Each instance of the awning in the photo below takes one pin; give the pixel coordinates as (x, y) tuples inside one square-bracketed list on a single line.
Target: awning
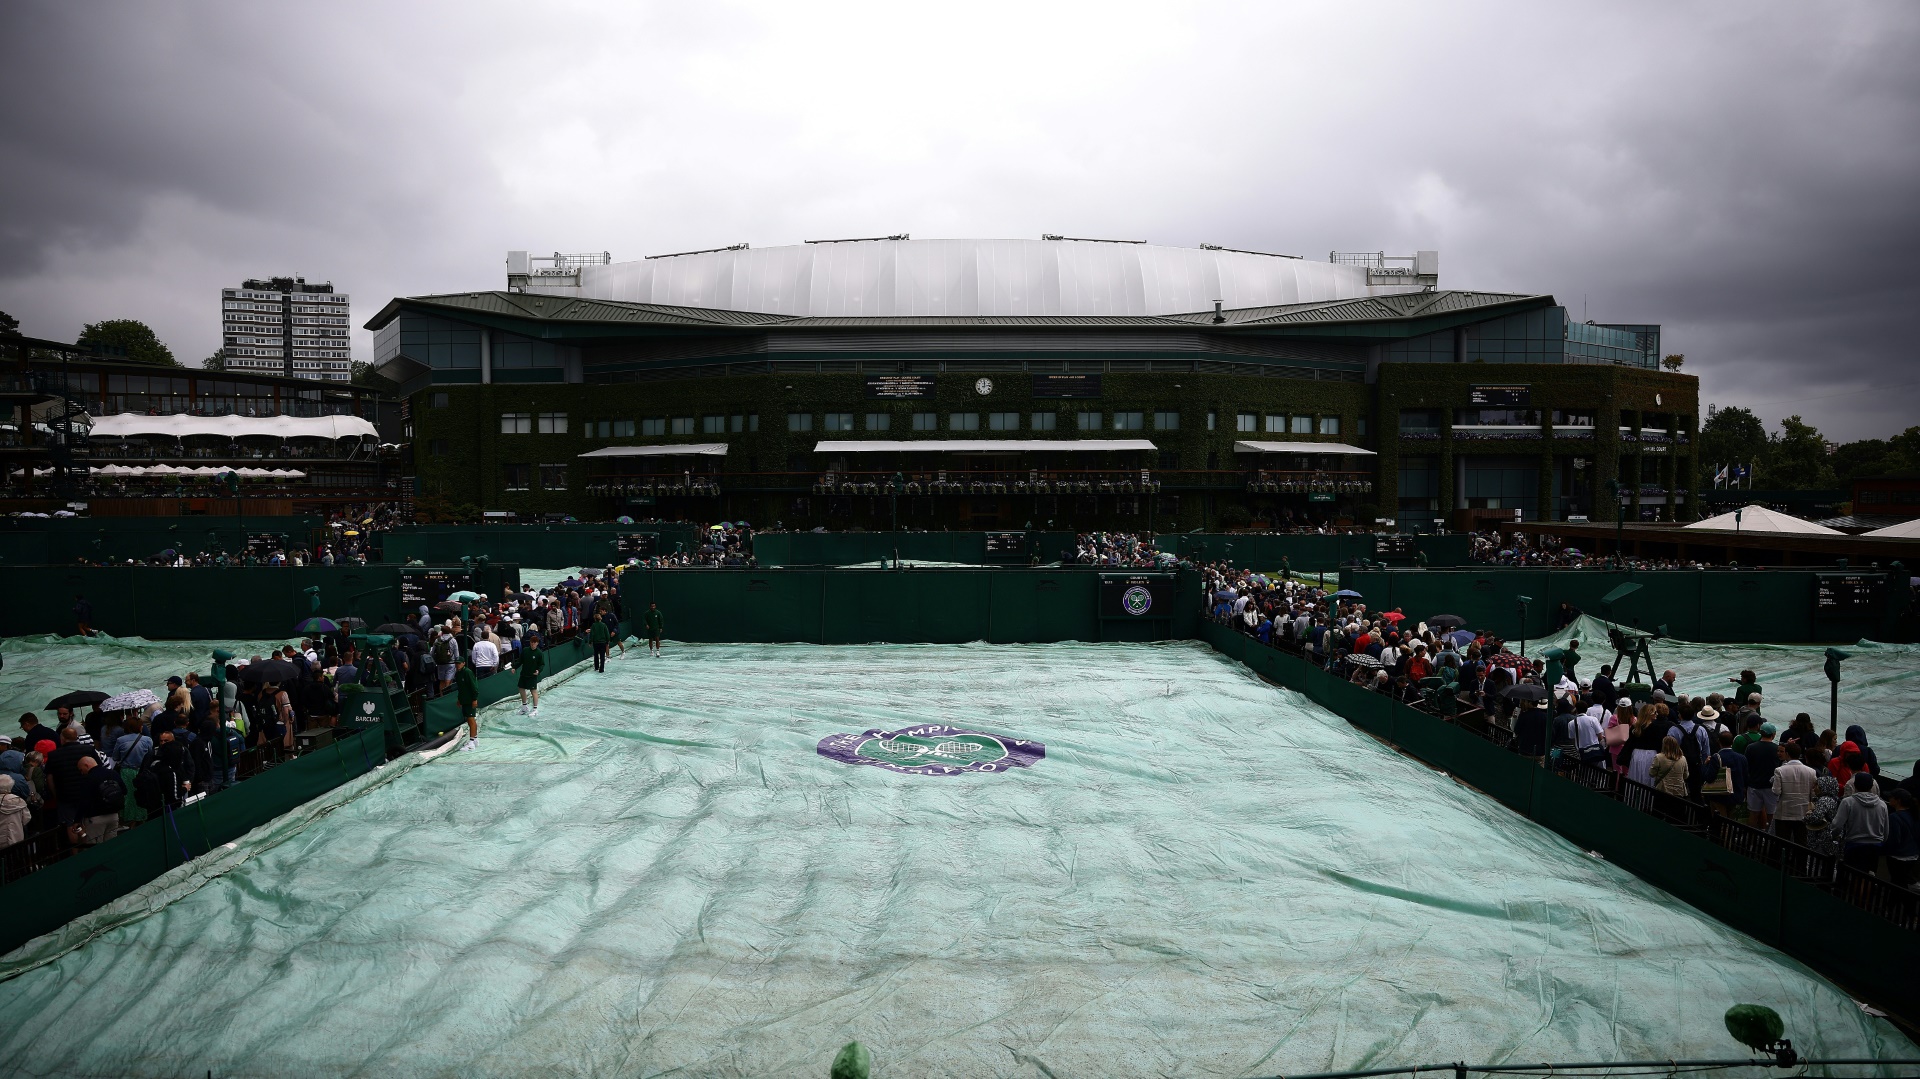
[(697, 449), (201, 470), (989, 445), (130, 425), (1302, 447)]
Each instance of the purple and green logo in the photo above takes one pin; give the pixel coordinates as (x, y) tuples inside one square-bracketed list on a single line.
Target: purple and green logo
[(932, 750)]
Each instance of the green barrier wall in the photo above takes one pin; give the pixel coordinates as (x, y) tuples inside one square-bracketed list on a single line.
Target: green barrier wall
[(1798, 918), (555, 546), (854, 548), (161, 603), (1696, 605), (47, 899), (916, 606), (65, 540), (1305, 552)]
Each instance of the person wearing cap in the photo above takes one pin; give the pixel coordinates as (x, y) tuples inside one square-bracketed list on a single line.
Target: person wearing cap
[(1793, 787), (1763, 757), (1749, 736)]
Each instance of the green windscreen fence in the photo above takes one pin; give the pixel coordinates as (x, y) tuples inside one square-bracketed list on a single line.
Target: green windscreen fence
[(1879, 683), (977, 860)]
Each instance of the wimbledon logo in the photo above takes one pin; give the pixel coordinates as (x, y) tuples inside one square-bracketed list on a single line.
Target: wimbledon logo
[(1136, 600), (932, 750)]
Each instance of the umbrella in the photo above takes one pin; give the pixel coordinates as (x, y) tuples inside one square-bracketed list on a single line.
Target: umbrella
[(169, 554), (1507, 659), (351, 624), (1461, 637), (464, 595), (1393, 616), (139, 698), (269, 670), (1524, 691), (1361, 659), (77, 698), (1347, 592), (515, 597), (316, 624), (398, 629), (350, 532), (1446, 621), (623, 520), (1574, 551), (447, 605)]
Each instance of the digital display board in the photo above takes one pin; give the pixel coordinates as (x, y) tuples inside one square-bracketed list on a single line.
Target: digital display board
[(1500, 396), (1066, 385), (899, 387), (638, 545), (1136, 595), (430, 586), (1006, 546), (1847, 593), (1393, 543)]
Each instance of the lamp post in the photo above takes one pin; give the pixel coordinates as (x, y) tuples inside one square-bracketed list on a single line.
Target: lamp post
[(1619, 523)]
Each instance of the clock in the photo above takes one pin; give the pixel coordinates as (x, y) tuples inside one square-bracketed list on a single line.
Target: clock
[(983, 386)]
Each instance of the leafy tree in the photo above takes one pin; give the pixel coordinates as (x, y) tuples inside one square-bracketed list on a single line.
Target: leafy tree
[(1896, 456), (1730, 436), (9, 324), (217, 361), (129, 336), (1673, 361), (365, 376), (1800, 460)]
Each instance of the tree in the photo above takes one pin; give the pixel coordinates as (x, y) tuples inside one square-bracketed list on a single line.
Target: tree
[(129, 337), (1730, 436), (365, 376), (1673, 361), (1800, 459), (1896, 456), (9, 325), (217, 361)]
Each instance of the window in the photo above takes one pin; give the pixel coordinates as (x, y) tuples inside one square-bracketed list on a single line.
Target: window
[(1362, 428), (1213, 419), (596, 429), (1276, 425), (1003, 421), (437, 447), (1245, 422), (553, 423), (926, 421), (683, 425), (553, 477), (1169, 459), (963, 421), (748, 422), (1420, 421), (653, 428), (839, 421), (516, 423), (799, 421), (1302, 425), (1087, 421), (623, 428), (1329, 425), (1170, 421), (515, 476), (713, 425), (1129, 421), (879, 421), (439, 400), (1045, 421), (1496, 417), (1567, 417)]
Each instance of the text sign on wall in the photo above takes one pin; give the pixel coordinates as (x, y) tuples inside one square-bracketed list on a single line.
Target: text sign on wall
[(1136, 595), (1847, 593), (1066, 385), (899, 387), (1006, 546), (1500, 396), (638, 545), (430, 586)]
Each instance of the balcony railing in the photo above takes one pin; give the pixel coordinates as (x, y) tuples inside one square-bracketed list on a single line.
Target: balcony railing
[(1280, 483), (988, 482)]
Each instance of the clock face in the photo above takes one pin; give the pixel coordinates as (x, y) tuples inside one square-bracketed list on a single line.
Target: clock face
[(1656, 398), (983, 386)]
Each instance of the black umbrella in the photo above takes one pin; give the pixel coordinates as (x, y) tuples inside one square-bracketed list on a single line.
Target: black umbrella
[(398, 628), (1446, 621), (1524, 691), (449, 605), (515, 597), (351, 624), (269, 670), (1361, 659), (78, 698)]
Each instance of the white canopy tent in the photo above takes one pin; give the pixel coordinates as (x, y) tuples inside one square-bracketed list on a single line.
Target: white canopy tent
[(1903, 530), (1762, 519), (1339, 448), (131, 425), (695, 449), (988, 445)]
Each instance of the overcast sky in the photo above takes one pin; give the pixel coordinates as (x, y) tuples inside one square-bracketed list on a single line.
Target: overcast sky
[(1746, 174)]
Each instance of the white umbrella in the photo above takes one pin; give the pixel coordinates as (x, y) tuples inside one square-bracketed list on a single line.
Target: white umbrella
[(139, 698)]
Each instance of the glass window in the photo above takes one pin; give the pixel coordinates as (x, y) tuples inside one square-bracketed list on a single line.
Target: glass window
[(1003, 421), (737, 424), (1302, 425), (839, 421), (963, 421), (1361, 426), (1276, 425), (879, 421), (515, 477), (1044, 421), (623, 428), (653, 428), (553, 477), (1496, 417), (1568, 417), (516, 423), (553, 423), (439, 400), (1329, 425), (1420, 420), (926, 421), (1213, 420), (1129, 421), (1245, 422), (1087, 421), (683, 425), (437, 447), (1170, 421), (799, 421), (713, 425)]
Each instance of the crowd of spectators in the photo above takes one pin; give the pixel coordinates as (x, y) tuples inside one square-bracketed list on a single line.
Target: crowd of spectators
[(1721, 750), (1123, 549), (725, 544), (1521, 549)]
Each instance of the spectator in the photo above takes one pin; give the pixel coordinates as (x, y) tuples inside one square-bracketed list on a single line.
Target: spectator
[(484, 657), (64, 766), (14, 815), (1822, 837), (1734, 764), (1902, 846), (1869, 759), (1793, 788), (1669, 768), (33, 732), (102, 793), (1763, 796), (1861, 822)]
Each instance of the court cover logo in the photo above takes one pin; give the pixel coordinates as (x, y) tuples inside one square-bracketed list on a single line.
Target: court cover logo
[(932, 750), (1137, 600)]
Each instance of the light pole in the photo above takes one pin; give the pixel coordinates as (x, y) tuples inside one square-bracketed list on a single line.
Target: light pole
[(1619, 523)]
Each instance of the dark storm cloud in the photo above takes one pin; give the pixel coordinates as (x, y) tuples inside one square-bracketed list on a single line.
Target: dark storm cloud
[(1742, 174)]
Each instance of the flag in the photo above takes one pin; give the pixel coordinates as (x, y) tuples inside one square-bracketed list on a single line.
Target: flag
[(1720, 477)]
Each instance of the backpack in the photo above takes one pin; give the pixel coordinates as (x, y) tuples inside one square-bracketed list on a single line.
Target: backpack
[(112, 792), (148, 792), (442, 652)]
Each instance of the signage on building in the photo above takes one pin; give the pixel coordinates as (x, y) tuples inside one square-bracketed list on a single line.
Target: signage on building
[(1500, 396), (430, 586), (1393, 543), (1847, 593), (1066, 385), (1006, 546), (638, 545), (899, 387), (1320, 496), (1136, 595)]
